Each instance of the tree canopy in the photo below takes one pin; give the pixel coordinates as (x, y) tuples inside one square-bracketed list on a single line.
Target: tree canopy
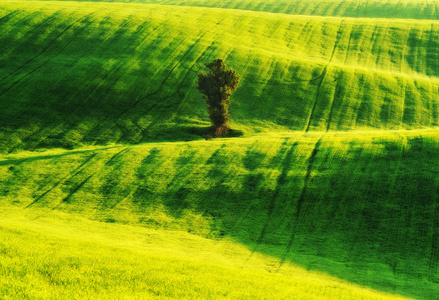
[(217, 85)]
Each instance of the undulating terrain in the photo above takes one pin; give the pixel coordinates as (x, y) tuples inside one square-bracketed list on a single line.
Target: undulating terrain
[(109, 189)]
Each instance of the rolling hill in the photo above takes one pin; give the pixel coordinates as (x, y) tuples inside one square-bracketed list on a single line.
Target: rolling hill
[(362, 207), (332, 185), (136, 71), (406, 9)]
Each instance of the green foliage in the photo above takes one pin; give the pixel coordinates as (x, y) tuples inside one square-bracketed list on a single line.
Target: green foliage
[(217, 86)]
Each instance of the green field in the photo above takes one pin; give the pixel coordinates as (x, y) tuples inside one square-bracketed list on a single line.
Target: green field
[(136, 70), (108, 188)]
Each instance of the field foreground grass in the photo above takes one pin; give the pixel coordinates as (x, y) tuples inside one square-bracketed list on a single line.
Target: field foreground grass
[(358, 206), (63, 256)]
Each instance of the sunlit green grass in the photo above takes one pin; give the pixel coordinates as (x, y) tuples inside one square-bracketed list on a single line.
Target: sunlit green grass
[(60, 256), (405, 9), (108, 189), (358, 206), (77, 73)]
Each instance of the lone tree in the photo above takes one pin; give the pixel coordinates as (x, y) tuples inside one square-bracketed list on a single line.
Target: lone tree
[(217, 85)]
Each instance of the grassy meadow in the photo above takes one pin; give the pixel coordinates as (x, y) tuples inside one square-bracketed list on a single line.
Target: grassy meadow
[(406, 9), (75, 258), (109, 190), (136, 71)]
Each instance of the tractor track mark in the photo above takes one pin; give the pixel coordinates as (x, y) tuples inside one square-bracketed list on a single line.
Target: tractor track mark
[(434, 256), (64, 179), (77, 188), (151, 94), (280, 181), (37, 29), (325, 68), (44, 50), (300, 203), (8, 16), (334, 98)]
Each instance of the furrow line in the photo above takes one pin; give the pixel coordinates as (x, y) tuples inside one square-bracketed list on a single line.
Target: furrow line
[(76, 189), (308, 125), (157, 91), (298, 215), (337, 40), (331, 111), (77, 33), (36, 28), (194, 64), (280, 181), (435, 9), (162, 85), (95, 50), (64, 179), (398, 223), (434, 256), (373, 43), (42, 51), (118, 154), (9, 16), (171, 71), (403, 97)]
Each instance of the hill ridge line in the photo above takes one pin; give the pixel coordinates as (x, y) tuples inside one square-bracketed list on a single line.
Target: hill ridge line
[(249, 11), (233, 9), (33, 155)]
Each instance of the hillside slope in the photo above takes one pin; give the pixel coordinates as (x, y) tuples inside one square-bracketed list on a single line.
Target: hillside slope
[(361, 207), (336, 171), (73, 73), (398, 9), (63, 256)]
